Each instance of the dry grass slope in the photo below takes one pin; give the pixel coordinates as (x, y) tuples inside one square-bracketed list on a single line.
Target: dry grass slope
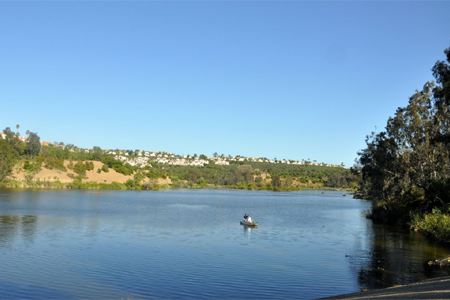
[(55, 175)]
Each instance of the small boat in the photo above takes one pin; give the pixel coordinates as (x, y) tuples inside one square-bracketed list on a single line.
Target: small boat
[(247, 223)]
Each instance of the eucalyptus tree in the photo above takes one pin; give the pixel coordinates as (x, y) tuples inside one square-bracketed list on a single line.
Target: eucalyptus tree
[(419, 156), (34, 144), (408, 164)]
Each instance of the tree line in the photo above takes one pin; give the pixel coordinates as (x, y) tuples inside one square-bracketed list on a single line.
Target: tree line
[(405, 169)]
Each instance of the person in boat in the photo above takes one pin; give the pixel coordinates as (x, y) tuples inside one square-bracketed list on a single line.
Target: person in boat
[(245, 217)]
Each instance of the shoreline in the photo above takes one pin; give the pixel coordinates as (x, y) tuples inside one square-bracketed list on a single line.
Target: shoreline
[(436, 288), (120, 187)]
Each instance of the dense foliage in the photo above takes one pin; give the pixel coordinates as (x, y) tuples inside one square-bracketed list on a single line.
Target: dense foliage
[(253, 175), (405, 169)]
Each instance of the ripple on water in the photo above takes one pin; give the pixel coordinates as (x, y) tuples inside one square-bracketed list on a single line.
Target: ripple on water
[(190, 206), (108, 245)]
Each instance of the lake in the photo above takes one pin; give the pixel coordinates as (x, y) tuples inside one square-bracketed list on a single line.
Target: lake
[(188, 244)]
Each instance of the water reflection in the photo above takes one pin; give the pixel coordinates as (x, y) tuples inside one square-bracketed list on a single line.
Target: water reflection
[(28, 226), (13, 226), (116, 243), (248, 231), (396, 257)]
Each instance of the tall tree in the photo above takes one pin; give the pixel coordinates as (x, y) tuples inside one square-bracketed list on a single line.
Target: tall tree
[(13, 140), (8, 157), (408, 164), (98, 153), (34, 144), (276, 181), (441, 93)]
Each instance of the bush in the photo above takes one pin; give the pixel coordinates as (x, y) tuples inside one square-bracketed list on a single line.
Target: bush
[(389, 212), (52, 162), (27, 165), (80, 168), (112, 186), (89, 165), (34, 166), (122, 170), (436, 224), (131, 184), (76, 184), (151, 185)]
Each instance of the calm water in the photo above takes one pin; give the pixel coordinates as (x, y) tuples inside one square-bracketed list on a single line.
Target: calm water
[(189, 244)]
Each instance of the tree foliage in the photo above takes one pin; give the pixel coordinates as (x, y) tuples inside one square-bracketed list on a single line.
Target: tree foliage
[(33, 144), (8, 157), (406, 166)]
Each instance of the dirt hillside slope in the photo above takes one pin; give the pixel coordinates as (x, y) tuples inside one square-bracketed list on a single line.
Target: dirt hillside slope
[(53, 175)]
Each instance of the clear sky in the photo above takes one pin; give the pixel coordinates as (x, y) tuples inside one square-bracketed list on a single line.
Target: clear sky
[(276, 79)]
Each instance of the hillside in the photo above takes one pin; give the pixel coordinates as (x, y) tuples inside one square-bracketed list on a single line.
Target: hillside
[(241, 176), (29, 163), (64, 177), (23, 178)]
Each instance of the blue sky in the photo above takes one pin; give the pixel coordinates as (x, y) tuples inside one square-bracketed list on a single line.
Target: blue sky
[(284, 79)]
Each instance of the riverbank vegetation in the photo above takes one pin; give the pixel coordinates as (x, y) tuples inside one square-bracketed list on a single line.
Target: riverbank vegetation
[(405, 169), (23, 163)]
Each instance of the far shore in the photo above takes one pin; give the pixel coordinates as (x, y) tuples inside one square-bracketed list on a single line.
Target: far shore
[(96, 179), (164, 187)]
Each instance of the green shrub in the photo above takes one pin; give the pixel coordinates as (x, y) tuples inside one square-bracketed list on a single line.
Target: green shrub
[(89, 165), (80, 168), (436, 224), (122, 170)]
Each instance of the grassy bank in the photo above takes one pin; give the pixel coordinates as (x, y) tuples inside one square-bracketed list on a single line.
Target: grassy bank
[(131, 185), (151, 185)]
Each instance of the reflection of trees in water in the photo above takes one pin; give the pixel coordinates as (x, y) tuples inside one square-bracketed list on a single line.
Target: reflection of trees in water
[(396, 257), (13, 226), (8, 228), (29, 224)]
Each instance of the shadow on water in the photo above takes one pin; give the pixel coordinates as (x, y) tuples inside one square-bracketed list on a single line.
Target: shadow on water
[(396, 256)]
